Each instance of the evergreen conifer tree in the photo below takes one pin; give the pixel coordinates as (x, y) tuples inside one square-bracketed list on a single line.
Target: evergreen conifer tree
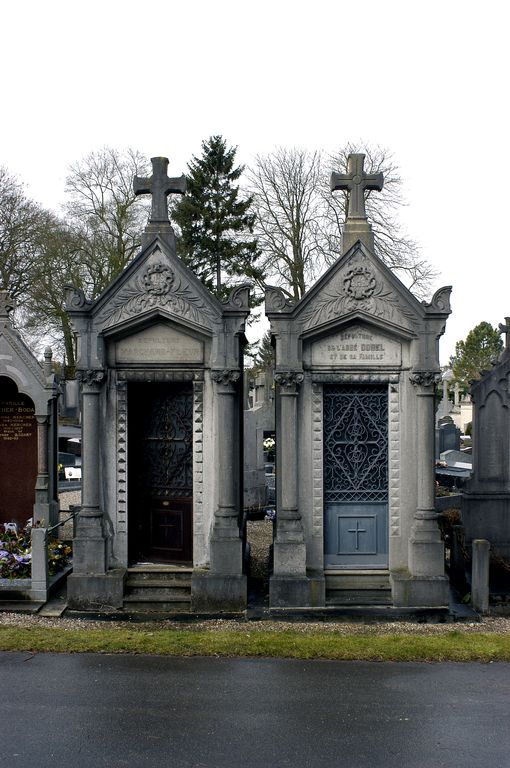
[(215, 223)]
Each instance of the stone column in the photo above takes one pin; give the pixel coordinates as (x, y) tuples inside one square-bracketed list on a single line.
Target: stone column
[(289, 545), (429, 585), (41, 506), (223, 586), (89, 554), (290, 585), (92, 584), (226, 546)]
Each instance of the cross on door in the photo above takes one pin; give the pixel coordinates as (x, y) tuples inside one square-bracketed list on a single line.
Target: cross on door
[(356, 531), (355, 181), (159, 185)]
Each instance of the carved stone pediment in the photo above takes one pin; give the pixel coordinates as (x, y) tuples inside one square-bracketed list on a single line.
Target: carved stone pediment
[(158, 284), (358, 286)]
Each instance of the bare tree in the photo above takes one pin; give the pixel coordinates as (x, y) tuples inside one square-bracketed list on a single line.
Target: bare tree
[(20, 223), (45, 319), (105, 214), (286, 199)]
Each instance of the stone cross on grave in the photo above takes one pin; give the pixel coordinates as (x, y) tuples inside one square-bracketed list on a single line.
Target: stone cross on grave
[(505, 328), (159, 186), (355, 181)]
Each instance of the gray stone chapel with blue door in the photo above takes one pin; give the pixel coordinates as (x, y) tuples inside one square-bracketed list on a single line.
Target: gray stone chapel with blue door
[(356, 369), (160, 364)]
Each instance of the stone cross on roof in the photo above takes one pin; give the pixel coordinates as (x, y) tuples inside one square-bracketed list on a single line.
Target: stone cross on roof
[(505, 328), (159, 186), (6, 304), (356, 181)]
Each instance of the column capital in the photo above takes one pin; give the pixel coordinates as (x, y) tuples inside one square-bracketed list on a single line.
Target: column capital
[(226, 377), (425, 379), (93, 378), (289, 379)]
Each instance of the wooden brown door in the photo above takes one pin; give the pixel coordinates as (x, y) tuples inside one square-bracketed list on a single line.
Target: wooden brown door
[(160, 472)]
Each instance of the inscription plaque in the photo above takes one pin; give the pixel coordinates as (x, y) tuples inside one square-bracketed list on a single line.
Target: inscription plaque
[(18, 454), (357, 346), (159, 344)]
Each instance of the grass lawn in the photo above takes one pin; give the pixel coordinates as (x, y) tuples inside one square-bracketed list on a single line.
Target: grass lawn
[(448, 646)]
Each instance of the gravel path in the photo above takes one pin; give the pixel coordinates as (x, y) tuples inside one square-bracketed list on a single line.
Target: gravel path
[(489, 625)]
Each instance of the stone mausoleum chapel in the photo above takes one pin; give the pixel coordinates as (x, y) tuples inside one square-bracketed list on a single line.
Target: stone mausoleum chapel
[(160, 362), (356, 367)]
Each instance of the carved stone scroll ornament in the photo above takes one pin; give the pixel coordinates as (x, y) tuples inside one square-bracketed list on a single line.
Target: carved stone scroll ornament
[(425, 378), (440, 300), (225, 376), (289, 378), (239, 297), (276, 301), (75, 298)]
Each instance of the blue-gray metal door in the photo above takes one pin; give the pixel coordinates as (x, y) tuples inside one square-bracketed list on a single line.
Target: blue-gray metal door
[(356, 476)]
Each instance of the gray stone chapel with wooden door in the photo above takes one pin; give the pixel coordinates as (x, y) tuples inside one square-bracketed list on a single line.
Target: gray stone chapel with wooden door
[(356, 369), (160, 363)]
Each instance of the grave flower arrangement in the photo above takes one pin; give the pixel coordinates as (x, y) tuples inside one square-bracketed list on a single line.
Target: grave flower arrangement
[(269, 446), (16, 555)]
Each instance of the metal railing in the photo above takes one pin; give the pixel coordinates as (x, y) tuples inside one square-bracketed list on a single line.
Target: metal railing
[(40, 570)]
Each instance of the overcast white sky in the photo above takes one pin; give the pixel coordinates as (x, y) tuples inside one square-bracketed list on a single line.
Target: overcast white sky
[(427, 80)]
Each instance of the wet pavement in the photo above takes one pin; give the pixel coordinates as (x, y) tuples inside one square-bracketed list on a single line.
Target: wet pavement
[(103, 710)]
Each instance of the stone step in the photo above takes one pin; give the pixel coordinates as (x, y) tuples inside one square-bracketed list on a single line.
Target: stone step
[(156, 588), (358, 587), (358, 580), (155, 604), (159, 588), (161, 575), (358, 597)]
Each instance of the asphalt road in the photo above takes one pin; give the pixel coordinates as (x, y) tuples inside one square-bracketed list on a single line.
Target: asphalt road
[(89, 710)]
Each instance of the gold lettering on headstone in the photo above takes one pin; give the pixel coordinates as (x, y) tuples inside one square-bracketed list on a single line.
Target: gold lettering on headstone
[(16, 421)]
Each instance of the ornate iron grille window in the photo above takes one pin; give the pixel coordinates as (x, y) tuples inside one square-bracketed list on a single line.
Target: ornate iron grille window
[(355, 443), (162, 421)]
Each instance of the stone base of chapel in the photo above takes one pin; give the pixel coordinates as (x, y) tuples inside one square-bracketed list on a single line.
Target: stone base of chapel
[(297, 592), (102, 591), (419, 591), (218, 593)]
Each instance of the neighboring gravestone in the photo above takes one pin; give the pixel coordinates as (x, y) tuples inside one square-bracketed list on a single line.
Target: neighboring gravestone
[(356, 370), (28, 424), (160, 365), (447, 436), (486, 499)]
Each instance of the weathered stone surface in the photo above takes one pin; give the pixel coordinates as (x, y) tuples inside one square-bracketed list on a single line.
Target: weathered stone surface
[(486, 499), (359, 331), (157, 343)]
